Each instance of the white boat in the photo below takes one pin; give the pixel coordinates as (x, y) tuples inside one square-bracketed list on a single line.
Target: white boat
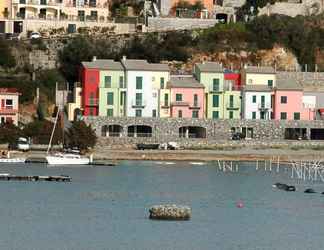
[(67, 159), (64, 158), (12, 160)]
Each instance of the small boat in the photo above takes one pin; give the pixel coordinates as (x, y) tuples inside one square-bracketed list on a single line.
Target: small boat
[(197, 163), (67, 159), (143, 146), (5, 158)]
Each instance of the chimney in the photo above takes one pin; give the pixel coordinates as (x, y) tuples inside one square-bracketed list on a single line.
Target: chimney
[(124, 58), (94, 58)]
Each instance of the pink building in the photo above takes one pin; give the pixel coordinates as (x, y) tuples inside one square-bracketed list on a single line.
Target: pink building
[(187, 97), (288, 102), (9, 105)]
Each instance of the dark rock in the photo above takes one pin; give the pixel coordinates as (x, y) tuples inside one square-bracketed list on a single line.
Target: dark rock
[(309, 191)]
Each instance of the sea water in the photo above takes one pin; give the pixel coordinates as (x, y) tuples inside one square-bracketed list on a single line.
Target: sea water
[(107, 208)]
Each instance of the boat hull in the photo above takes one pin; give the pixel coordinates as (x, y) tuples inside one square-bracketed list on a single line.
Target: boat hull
[(13, 160), (54, 160)]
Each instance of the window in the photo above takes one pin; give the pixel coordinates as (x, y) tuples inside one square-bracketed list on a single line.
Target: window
[(122, 96), (283, 99), (162, 82), (270, 83), (154, 95), (195, 100), (138, 113), (92, 111), (250, 81), (215, 101), (180, 113), (216, 84), (9, 102), (110, 112), (166, 100), (138, 99), (231, 101), (253, 115), (283, 115), (231, 115), (154, 113), (110, 98), (262, 101), (153, 79), (139, 82), (179, 97), (195, 114), (215, 114), (296, 116), (107, 81), (254, 99), (121, 82), (262, 115)]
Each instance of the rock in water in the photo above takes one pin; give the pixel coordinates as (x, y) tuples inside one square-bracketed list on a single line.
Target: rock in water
[(310, 191), (170, 212)]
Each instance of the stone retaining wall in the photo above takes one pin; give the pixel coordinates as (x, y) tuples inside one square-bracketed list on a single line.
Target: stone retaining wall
[(167, 129)]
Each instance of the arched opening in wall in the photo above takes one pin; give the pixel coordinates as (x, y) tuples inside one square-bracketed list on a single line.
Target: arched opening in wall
[(139, 131), (112, 130), (317, 134), (77, 114), (192, 132), (295, 133), (221, 17)]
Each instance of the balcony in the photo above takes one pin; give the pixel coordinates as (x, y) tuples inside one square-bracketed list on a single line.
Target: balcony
[(264, 106), (232, 106), (178, 103), (165, 105), (138, 104), (211, 89), (92, 102), (9, 110), (37, 2), (195, 105)]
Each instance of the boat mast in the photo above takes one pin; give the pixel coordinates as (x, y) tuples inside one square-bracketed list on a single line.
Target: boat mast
[(50, 142)]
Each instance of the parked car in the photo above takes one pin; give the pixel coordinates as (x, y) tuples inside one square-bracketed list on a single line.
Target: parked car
[(35, 35), (20, 144), (237, 136)]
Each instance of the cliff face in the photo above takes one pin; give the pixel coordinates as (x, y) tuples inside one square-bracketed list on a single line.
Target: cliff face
[(277, 57)]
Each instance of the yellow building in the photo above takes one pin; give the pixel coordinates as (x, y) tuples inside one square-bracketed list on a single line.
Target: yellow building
[(253, 75), (5, 7), (74, 108)]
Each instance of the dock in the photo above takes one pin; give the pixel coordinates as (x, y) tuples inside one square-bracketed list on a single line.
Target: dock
[(56, 178)]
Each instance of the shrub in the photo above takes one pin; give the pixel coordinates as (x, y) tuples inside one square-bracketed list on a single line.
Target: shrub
[(9, 133)]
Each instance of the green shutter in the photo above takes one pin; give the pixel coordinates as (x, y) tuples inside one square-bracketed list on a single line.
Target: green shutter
[(215, 101), (216, 84), (139, 82), (179, 97), (110, 98)]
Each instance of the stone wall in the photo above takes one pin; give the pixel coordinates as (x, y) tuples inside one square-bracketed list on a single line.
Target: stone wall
[(167, 129), (164, 24)]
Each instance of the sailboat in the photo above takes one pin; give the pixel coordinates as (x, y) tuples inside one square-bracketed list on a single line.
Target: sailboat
[(64, 158)]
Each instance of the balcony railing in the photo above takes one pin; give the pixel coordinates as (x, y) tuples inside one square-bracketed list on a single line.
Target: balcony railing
[(138, 103), (93, 102), (195, 105), (232, 106), (179, 103), (37, 2), (264, 106), (8, 110)]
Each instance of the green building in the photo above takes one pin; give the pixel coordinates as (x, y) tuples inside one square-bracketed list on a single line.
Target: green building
[(222, 99)]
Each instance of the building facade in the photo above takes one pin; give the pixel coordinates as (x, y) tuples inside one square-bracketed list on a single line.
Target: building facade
[(9, 105), (187, 97)]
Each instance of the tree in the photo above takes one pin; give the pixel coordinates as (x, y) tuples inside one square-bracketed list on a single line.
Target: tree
[(7, 60), (81, 136), (9, 132)]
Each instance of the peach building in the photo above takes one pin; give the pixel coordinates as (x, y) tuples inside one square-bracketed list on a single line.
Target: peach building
[(74, 10), (9, 105), (289, 102), (187, 97), (5, 6)]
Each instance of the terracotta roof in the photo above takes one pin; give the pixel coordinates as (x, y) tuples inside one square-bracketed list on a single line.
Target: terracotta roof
[(257, 88), (210, 67), (132, 64), (184, 82), (9, 91), (260, 70), (103, 64), (288, 84)]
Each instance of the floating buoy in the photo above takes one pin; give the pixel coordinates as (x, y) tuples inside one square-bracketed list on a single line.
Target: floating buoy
[(239, 204)]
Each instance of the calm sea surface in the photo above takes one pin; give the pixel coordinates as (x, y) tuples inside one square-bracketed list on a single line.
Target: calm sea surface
[(107, 208)]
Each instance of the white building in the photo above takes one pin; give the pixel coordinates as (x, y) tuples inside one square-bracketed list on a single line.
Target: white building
[(257, 102), (142, 88)]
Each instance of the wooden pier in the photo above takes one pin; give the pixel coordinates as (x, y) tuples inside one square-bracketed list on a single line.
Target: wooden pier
[(56, 178)]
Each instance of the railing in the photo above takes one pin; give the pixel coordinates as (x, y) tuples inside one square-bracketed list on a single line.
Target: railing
[(138, 103), (195, 105), (264, 106), (37, 2), (178, 103), (232, 106), (8, 110)]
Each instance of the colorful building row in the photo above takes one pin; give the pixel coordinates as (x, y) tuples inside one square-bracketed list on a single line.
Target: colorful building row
[(136, 88)]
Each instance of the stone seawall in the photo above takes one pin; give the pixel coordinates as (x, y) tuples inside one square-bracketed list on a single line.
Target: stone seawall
[(186, 131)]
